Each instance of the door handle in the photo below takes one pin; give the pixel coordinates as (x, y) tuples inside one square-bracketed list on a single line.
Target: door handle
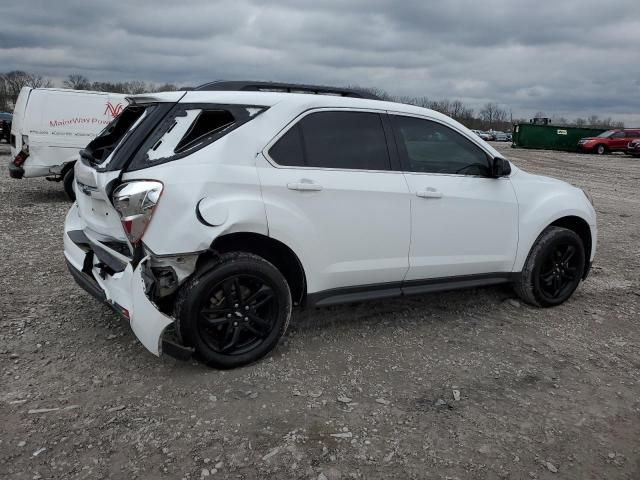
[(429, 193), (304, 186)]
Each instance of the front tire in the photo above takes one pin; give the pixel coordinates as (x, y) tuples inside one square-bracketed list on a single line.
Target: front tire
[(601, 149), (234, 311), (553, 268), (67, 182)]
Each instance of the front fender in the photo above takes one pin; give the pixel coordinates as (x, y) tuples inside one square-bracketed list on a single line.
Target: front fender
[(536, 214)]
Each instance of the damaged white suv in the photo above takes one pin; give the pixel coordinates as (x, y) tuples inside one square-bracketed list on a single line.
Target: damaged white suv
[(204, 216)]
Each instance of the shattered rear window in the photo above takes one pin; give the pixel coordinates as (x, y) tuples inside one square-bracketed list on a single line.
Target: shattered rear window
[(190, 127)]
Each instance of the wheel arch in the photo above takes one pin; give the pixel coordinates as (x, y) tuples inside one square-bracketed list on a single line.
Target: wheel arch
[(272, 250), (67, 166), (581, 227), (570, 221)]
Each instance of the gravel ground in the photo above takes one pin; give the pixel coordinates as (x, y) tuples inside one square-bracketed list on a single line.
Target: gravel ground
[(362, 391)]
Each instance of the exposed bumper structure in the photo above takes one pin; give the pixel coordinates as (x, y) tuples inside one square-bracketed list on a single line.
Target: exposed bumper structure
[(106, 275)]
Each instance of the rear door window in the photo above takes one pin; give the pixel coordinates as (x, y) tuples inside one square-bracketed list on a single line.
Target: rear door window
[(335, 139)]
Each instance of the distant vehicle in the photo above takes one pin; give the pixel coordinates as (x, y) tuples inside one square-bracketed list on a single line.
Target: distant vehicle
[(51, 125), (490, 135), (509, 136), (203, 217), (500, 137), (5, 126), (633, 148), (482, 135), (609, 141)]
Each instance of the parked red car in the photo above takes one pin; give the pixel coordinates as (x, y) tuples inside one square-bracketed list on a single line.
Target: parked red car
[(609, 141)]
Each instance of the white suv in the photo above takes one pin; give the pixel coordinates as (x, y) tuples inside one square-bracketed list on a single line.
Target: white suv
[(204, 216)]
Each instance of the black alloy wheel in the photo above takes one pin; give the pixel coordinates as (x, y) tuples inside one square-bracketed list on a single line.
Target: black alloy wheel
[(239, 315), (553, 269), (233, 310), (560, 271)]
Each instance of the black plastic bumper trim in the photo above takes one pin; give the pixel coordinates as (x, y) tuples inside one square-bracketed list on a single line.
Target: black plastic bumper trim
[(86, 282), (80, 239)]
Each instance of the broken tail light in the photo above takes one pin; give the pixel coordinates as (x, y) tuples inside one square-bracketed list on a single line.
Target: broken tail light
[(135, 203), (21, 157)]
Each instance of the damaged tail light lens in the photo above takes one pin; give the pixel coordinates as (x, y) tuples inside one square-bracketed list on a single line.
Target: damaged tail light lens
[(21, 157), (135, 202)]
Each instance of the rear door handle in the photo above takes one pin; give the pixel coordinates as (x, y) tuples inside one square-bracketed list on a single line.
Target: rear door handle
[(429, 193), (304, 186)]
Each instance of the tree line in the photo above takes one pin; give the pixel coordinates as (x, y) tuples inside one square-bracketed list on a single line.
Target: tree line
[(490, 117), (12, 82)]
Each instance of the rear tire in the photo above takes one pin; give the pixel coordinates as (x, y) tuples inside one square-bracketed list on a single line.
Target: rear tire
[(601, 149), (234, 311), (553, 268), (67, 182)]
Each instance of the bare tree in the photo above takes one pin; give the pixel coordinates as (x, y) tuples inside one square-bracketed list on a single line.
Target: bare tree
[(491, 114), (166, 87), (15, 80), (77, 82), (136, 86), (378, 92)]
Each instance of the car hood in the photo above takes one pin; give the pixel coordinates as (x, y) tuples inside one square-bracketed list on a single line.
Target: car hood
[(521, 176)]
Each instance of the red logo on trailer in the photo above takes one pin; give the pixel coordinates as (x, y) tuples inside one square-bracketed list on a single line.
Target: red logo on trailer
[(114, 110)]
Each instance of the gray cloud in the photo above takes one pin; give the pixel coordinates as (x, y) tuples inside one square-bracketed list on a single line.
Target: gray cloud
[(575, 57)]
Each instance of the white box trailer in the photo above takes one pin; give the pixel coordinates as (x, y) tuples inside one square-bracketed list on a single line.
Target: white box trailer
[(51, 125)]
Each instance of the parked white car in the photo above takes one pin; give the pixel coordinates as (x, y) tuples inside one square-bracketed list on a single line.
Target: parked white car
[(50, 125), (204, 216)]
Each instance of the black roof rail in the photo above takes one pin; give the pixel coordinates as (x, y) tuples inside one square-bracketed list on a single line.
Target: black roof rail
[(247, 86)]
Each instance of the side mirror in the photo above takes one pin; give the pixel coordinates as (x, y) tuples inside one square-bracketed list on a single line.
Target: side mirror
[(500, 167)]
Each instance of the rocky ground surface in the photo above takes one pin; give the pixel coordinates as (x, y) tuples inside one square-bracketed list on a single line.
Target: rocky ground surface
[(462, 385)]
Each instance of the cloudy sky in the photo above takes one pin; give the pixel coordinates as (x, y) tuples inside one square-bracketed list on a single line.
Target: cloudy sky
[(566, 58)]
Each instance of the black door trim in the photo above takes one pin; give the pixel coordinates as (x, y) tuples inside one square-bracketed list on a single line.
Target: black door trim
[(361, 293)]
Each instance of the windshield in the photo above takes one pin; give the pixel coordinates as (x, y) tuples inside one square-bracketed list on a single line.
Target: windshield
[(606, 134)]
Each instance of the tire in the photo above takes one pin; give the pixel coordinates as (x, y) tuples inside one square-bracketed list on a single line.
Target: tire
[(600, 149), (537, 282), (67, 182), (234, 311)]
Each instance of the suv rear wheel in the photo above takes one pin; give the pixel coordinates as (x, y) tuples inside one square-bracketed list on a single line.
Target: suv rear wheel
[(553, 269), (234, 311)]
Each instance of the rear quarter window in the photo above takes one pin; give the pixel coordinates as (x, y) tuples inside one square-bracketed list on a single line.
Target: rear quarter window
[(190, 127)]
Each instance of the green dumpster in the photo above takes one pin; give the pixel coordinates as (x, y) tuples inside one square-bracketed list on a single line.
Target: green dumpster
[(550, 137)]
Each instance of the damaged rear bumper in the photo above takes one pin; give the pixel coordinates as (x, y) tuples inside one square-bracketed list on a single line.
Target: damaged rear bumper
[(110, 278)]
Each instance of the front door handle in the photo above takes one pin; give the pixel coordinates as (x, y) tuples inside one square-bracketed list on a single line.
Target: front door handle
[(303, 186), (429, 192)]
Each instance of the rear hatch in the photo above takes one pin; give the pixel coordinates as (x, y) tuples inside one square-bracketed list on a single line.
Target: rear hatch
[(152, 130), (104, 159)]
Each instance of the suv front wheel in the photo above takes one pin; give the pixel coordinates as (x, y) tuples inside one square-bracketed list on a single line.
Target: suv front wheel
[(553, 269), (234, 311)]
